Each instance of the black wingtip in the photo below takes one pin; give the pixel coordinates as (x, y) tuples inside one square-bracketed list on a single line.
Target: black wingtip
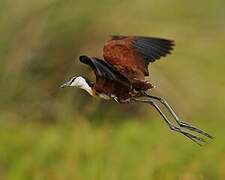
[(153, 48), (83, 58)]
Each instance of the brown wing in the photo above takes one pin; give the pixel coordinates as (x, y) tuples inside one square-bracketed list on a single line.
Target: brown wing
[(131, 55), (108, 80), (104, 70)]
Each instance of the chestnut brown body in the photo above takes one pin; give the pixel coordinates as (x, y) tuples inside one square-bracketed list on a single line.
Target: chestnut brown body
[(121, 74)]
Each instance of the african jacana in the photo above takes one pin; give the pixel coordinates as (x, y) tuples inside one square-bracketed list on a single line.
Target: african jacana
[(121, 76)]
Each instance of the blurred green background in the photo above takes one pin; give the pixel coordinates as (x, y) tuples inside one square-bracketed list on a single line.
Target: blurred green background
[(49, 133)]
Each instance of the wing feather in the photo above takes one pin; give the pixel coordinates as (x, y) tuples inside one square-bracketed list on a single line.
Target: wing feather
[(152, 48), (131, 55), (104, 70)]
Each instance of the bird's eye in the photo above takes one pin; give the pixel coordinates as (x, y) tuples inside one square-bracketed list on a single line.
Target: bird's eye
[(72, 80)]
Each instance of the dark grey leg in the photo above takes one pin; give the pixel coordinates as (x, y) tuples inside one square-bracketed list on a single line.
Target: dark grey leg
[(179, 122), (194, 138)]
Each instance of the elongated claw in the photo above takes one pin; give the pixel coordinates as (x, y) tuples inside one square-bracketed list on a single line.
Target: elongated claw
[(178, 121), (195, 129), (194, 138)]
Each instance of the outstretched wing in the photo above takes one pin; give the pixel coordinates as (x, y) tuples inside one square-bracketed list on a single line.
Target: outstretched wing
[(131, 55), (104, 71)]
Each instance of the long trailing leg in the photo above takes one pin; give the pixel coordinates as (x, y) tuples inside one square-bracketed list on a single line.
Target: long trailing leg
[(179, 122), (173, 127)]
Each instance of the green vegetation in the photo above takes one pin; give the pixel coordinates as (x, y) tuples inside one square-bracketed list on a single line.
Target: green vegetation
[(131, 150), (47, 133)]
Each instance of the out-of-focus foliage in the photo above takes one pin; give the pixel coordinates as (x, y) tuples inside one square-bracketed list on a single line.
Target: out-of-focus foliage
[(131, 151), (40, 42)]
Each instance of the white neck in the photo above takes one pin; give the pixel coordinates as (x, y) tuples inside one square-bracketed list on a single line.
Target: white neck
[(87, 88), (80, 82)]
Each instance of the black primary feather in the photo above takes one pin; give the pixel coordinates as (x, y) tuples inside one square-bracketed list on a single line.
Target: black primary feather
[(104, 70), (152, 48)]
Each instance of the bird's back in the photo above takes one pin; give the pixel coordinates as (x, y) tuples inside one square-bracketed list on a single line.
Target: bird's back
[(125, 65), (131, 55)]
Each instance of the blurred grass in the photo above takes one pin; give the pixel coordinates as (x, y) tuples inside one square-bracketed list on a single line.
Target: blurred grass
[(131, 150), (46, 133)]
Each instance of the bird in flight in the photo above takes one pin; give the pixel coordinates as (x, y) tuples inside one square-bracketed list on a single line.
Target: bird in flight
[(120, 76)]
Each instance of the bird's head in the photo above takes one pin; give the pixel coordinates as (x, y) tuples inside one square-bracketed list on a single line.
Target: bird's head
[(80, 82)]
